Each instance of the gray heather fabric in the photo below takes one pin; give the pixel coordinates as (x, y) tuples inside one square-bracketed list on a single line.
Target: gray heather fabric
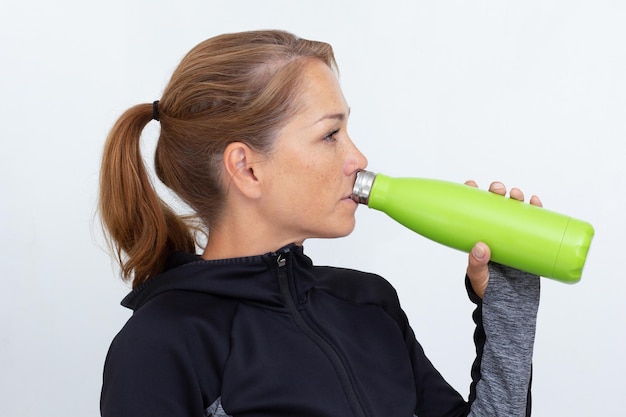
[(509, 313), (216, 410)]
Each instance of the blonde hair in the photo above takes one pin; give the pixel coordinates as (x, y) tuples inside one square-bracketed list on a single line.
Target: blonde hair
[(233, 87)]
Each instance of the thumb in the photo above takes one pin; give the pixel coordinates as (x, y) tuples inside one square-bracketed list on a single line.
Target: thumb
[(478, 269)]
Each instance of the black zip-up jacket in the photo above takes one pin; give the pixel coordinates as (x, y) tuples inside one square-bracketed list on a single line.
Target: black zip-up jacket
[(272, 335)]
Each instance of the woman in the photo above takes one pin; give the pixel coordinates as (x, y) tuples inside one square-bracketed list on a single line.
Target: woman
[(253, 138)]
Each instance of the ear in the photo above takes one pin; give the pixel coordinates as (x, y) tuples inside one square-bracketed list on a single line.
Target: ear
[(239, 164)]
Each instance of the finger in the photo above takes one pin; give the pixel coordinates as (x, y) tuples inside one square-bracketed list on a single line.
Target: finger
[(498, 188), (471, 183), (536, 201), (516, 194), (478, 268)]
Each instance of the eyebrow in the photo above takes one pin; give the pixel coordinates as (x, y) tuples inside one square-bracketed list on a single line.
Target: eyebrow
[(337, 116)]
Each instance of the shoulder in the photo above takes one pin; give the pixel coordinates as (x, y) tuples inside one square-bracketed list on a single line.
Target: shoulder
[(175, 323), (180, 312), (357, 286), (174, 346), (362, 288)]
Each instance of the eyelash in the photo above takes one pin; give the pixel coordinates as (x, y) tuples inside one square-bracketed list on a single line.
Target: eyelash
[(331, 136)]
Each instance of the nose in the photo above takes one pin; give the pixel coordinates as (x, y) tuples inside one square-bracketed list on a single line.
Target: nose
[(355, 160)]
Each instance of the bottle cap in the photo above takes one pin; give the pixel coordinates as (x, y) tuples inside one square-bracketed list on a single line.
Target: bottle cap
[(363, 186)]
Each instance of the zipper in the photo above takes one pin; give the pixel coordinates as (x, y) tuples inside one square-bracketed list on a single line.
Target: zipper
[(283, 280)]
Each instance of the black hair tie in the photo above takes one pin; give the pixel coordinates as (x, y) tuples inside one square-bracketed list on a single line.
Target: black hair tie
[(155, 110)]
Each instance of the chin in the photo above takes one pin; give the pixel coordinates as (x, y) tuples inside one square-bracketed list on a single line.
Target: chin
[(335, 230), (346, 230)]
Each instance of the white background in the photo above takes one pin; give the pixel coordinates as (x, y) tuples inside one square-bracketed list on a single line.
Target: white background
[(532, 93)]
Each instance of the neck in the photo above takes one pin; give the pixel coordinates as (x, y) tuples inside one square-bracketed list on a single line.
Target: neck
[(238, 236)]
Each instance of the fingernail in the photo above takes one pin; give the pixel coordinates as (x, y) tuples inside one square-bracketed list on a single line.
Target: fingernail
[(497, 186), (478, 252)]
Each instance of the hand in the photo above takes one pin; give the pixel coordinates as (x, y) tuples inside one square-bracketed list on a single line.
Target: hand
[(478, 259)]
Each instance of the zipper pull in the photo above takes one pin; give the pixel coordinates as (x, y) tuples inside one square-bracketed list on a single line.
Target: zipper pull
[(281, 261), (281, 257)]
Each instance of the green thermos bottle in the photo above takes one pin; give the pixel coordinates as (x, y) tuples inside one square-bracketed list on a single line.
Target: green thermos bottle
[(519, 235)]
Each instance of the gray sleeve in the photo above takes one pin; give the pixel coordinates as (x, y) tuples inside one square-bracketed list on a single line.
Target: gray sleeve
[(509, 314)]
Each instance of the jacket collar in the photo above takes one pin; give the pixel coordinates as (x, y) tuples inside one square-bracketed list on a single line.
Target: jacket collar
[(253, 278)]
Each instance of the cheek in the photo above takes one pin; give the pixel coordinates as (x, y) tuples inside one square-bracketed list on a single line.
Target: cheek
[(311, 174)]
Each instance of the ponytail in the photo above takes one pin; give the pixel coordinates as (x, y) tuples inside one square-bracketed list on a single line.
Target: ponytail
[(140, 227)]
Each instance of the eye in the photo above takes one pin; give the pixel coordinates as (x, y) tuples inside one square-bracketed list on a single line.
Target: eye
[(331, 136)]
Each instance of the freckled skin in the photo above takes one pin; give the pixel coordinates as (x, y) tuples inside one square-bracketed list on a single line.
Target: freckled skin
[(314, 165)]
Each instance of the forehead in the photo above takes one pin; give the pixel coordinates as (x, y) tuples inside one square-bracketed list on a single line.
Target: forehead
[(320, 89)]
